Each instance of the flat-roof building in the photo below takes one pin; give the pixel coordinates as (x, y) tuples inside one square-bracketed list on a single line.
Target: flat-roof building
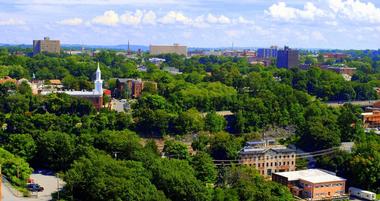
[(168, 49), (46, 45), (312, 184), (267, 53), (287, 58)]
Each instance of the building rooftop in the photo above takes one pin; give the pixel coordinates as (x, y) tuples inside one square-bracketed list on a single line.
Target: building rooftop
[(278, 149), (311, 175)]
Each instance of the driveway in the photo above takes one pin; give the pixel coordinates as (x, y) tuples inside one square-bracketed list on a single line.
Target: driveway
[(49, 182)]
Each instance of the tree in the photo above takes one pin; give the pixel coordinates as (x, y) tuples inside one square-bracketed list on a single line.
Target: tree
[(55, 149), (225, 146), (174, 149), (204, 167), (22, 145), (98, 177), (252, 186), (189, 121), (123, 144), (16, 169), (214, 122), (177, 180), (25, 89)]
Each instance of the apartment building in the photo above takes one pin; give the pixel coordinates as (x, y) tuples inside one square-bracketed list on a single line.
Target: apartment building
[(312, 184), (287, 58), (46, 45), (267, 157)]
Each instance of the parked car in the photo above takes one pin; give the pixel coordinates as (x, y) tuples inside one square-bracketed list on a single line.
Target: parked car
[(35, 188)]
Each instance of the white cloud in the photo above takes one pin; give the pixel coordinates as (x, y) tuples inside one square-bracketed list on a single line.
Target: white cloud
[(130, 18), (149, 18), (281, 11), (355, 10), (212, 19), (71, 21), (174, 17), (109, 18), (11, 22), (318, 36)]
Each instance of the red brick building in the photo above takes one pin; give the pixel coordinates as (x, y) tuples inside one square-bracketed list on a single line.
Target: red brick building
[(312, 184)]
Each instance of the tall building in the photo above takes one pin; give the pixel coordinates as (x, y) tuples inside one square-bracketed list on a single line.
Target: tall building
[(46, 45), (287, 58), (313, 184), (267, 53), (168, 49), (267, 157)]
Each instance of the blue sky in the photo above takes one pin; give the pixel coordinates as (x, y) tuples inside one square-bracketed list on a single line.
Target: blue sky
[(344, 24)]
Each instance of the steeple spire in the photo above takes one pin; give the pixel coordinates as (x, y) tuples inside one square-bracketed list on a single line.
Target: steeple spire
[(98, 82)]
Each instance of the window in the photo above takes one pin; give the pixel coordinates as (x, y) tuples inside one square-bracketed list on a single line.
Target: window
[(292, 162), (271, 164), (275, 163)]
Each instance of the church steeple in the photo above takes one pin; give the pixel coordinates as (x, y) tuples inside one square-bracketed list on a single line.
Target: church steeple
[(98, 82)]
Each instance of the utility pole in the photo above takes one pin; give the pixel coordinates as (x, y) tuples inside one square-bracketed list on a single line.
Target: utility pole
[(1, 184), (57, 187)]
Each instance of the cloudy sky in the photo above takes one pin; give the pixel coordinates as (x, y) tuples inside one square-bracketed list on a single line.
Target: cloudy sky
[(197, 23)]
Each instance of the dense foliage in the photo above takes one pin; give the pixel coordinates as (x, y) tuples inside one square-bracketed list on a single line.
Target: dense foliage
[(103, 156)]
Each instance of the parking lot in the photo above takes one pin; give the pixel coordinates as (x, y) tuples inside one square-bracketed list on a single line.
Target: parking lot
[(49, 182)]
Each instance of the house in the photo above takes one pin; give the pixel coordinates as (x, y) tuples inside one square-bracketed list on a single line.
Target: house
[(371, 119), (312, 184), (7, 79)]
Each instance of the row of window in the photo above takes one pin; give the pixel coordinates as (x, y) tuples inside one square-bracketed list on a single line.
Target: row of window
[(271, 157), (328, 185), (271, 164), (324, 194)]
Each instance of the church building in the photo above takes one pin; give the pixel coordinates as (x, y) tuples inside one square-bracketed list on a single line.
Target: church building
[(95, 96)]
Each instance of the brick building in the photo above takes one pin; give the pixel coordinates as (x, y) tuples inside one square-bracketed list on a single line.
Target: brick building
[(267, 157), (312, 184), (132, 87)]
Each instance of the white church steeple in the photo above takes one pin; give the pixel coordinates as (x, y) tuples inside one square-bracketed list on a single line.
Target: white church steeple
[(98, 82)]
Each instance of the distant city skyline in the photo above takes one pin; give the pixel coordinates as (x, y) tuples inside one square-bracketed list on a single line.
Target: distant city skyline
[(333, 24)]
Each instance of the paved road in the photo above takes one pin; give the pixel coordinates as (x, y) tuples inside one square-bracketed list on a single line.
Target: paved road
[(360, 103), (49, 183)]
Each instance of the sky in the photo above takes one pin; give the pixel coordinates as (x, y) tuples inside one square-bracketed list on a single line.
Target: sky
[(337, 24)]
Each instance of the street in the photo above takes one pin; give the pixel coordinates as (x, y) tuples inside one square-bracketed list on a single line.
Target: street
[(49, 183)]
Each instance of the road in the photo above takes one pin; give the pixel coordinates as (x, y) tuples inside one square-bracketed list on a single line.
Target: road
[(360, 103), (49, 183)]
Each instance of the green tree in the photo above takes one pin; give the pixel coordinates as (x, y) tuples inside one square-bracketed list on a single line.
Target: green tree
[(174, 149), (189, 121), (177, 180), (98, 177), (55, 149), (16, 169), (204, 167), (22, 145), (214, 122)]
